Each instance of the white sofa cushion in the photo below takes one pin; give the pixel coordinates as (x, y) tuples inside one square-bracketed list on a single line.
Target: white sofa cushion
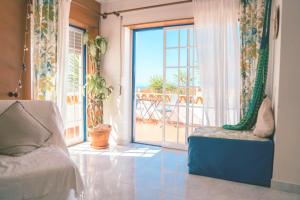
[(20, 131), (265, 120)]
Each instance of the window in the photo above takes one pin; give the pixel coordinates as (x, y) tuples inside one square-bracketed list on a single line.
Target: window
[(74, 81)]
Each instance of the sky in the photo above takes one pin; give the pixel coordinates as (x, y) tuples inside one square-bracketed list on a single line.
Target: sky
[(149, 55)]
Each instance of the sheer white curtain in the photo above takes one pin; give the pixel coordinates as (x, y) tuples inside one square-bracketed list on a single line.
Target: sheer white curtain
[(218, 55), (62, 53)]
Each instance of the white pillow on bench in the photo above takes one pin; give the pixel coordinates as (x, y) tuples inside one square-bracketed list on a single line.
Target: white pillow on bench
[(20, 131), (265, 120)]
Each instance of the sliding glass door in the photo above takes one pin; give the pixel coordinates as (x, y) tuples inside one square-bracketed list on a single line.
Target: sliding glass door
[(74, 82), (167, 91), (181, 91)]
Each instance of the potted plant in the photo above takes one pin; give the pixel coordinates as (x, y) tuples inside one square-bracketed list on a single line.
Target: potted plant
[(97, 92)]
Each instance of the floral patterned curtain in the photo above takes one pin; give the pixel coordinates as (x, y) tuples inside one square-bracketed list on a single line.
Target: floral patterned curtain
[(251, 27), (44, 49), (259, 56)]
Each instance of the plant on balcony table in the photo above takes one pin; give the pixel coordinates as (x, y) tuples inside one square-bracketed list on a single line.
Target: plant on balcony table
[(97, 92)]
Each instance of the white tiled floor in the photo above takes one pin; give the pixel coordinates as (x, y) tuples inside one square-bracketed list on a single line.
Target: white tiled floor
[(140, 172)]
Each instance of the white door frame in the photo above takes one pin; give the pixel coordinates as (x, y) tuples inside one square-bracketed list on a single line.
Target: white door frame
[(164, 142)]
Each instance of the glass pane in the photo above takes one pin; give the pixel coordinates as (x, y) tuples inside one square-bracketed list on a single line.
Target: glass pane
[(172, 57), (171, 123), (182, 115), (182, 98), (195, 117), (182, 77), (181, 124), (194, 77), (192, 56), (149, 60), (172, 98), (171, 79), (172, 38), (183, 37), (191, 32), (196, 63), (183, 56)]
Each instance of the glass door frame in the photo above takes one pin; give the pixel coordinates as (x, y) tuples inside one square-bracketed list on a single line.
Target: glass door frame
[(84, 100), (186, 87), (163, 143), (133, 99)]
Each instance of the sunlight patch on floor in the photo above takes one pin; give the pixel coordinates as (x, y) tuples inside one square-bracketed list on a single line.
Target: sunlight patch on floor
[(85, 148)]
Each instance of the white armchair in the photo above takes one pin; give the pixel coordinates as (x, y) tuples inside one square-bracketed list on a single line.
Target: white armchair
[(46, 173)]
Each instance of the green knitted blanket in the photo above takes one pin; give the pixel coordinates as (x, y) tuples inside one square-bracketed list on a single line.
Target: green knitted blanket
[(249, 119)]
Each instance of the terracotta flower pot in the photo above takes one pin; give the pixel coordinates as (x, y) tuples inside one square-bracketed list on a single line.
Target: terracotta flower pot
[(100, 136)]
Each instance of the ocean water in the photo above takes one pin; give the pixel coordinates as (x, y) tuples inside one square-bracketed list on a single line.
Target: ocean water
[(141, 86)]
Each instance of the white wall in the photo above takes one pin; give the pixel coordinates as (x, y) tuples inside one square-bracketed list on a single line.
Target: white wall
[(118, 109), (286, 171)]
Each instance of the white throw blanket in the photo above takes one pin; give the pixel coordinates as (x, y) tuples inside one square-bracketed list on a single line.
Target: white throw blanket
[(46, 173)]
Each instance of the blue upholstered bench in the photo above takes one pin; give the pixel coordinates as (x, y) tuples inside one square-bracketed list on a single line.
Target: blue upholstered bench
[(231, 155)]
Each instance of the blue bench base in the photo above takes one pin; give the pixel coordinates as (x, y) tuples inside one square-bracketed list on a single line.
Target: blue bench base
[(243, 161)]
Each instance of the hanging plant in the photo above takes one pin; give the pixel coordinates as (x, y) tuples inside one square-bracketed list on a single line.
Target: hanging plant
[(96, 48), (101, 44)]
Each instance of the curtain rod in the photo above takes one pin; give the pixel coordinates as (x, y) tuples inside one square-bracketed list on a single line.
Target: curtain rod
[(117, 13)]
